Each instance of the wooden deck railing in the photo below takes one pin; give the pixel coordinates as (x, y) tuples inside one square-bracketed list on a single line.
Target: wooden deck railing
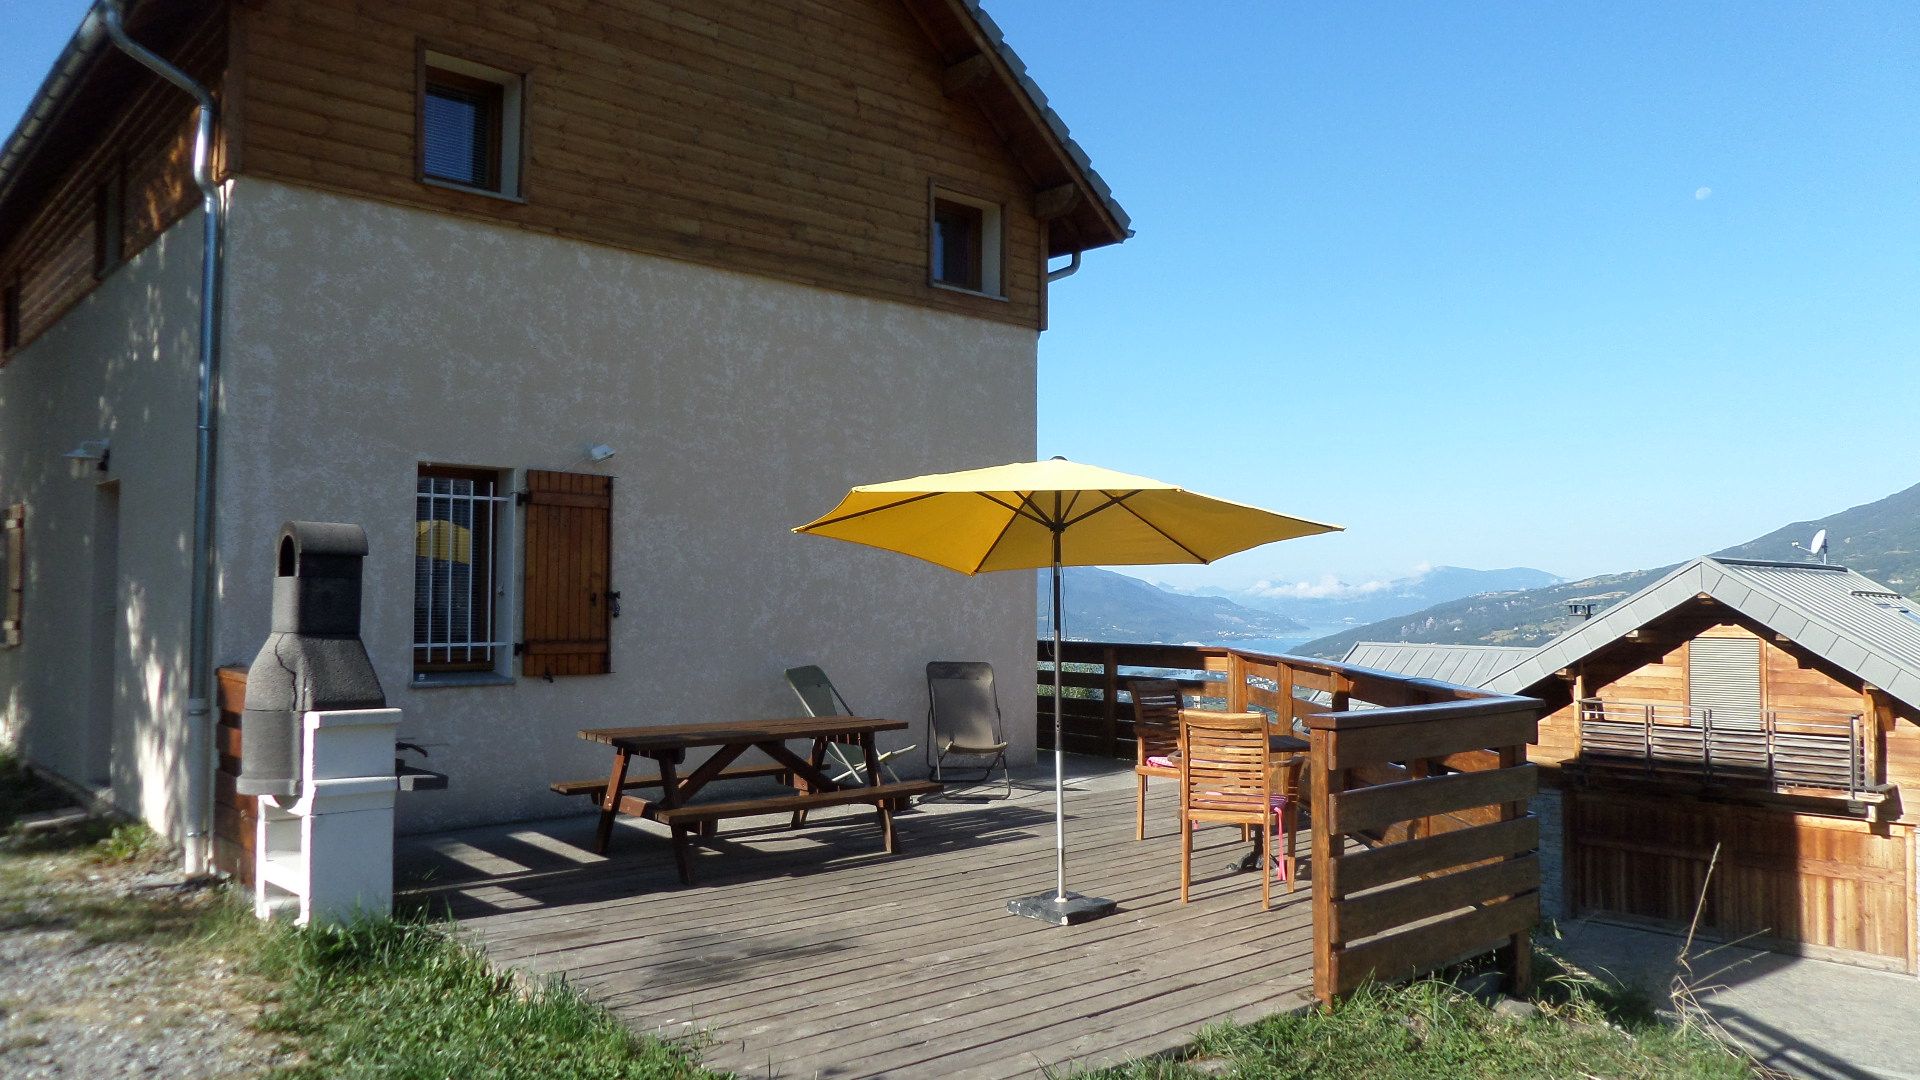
[(1788, 750), (1424, 852)]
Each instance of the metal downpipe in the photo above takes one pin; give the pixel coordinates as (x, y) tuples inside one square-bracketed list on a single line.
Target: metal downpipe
[(196, 839)]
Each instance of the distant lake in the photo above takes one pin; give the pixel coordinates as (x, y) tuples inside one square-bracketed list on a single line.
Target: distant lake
[(1283, 644)]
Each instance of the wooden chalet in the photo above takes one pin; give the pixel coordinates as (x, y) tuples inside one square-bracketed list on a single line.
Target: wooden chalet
[(1740, 730)]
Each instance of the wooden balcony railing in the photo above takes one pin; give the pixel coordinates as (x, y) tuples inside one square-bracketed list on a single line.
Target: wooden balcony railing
[(1424, 852), (1793, 751)]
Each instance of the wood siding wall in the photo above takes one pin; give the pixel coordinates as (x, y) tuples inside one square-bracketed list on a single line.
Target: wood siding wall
[(796, 139), (142, 140), (1791, 879)]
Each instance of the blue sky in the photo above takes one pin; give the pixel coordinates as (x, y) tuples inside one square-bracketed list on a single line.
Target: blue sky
[(1585, 287)]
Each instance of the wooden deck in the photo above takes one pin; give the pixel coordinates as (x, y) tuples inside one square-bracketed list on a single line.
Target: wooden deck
[(808, 953)]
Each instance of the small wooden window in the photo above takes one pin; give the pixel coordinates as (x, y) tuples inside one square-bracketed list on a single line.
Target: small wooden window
[(456, 533), (957, 243), (109, 224), (10, 316), (567, 605), (461, 128), (13, 572), (965, 244), (469, 125)]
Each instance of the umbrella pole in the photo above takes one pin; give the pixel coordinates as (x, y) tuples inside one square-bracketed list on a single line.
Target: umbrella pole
[(1059, 753), (1062, 908)]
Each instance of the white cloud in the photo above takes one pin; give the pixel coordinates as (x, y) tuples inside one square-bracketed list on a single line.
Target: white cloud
[(1324, 588), (1702, 194)]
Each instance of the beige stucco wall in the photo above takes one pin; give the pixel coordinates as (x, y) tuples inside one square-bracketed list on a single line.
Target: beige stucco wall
[(98, 682), (364, 339)]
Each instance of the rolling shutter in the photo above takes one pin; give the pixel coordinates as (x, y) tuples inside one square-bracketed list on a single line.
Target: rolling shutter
[(565, 609), (1723, 674)]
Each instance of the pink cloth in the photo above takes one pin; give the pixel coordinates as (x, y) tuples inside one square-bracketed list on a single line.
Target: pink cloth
[(1160, 760), (1279, 864)]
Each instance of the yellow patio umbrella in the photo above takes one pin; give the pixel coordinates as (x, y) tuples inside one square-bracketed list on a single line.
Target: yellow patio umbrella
[(1051, 513)]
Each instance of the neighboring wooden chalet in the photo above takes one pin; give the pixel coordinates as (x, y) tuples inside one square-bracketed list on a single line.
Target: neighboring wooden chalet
[(1466, 665), (575, 307), (1767, 710)]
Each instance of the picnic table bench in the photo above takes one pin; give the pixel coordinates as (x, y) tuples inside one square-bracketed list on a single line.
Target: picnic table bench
[(667, 746)]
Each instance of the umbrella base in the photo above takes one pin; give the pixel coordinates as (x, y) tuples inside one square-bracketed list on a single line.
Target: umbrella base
[(1049, 908)]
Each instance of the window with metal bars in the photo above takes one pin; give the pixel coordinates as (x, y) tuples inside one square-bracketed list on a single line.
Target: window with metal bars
[(456, 536)]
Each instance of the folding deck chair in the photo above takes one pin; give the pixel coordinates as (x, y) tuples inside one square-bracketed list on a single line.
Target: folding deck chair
[(963, 717), (820, 698)]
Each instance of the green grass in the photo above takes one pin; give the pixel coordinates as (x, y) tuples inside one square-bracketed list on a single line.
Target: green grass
[(1432, 1030), (406, 1000), (395, 1000)]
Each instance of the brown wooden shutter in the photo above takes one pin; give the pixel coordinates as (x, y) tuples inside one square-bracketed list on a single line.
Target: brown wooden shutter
[(13, 558), (565, 620)]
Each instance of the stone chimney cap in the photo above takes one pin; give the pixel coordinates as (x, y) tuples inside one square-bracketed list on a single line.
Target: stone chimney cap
[(325, 538)]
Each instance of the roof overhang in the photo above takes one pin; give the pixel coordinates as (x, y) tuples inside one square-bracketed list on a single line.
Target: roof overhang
[(1812, 623), (1076, 204), (85, 80)]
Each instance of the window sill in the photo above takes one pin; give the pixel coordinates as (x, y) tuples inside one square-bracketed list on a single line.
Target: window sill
[(448, 185), (964, 291), (444, 679)]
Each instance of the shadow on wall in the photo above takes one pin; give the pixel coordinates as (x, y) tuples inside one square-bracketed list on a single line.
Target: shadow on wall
[(96, 689)]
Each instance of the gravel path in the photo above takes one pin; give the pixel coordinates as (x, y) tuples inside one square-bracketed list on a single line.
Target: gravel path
[(71, 1006)]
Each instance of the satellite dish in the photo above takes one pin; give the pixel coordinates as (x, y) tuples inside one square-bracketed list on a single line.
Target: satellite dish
[(1817, 547)]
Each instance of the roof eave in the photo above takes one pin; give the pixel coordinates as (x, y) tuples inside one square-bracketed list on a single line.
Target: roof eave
[(50, 100), (1096, 219)]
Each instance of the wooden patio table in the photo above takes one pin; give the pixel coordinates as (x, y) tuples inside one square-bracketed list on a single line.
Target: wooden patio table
[(813, 788)]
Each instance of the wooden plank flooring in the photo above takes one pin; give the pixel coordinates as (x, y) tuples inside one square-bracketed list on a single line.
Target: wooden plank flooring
[(809, 953)]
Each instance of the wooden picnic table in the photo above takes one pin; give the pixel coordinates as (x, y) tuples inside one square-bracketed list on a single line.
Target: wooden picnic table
[(667, 746)]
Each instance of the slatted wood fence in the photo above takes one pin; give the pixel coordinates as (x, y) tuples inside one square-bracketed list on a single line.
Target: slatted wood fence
[(233, 814), (1446, 864), (1424, 852)]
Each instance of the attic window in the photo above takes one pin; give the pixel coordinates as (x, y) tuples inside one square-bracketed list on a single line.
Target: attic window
[(109, 224), (469, 125), (966, 243), (10, 316)]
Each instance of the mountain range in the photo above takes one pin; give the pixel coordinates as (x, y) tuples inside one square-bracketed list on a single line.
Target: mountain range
[(1880, 539), (1107, 606), (1104, 606), (1330, 602)]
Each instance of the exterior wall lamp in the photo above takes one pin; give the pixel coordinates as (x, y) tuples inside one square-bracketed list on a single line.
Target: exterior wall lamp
[(98, 451)]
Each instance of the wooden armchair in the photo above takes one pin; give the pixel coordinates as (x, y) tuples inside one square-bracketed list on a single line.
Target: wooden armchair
[(1156, 733), (1228, 776)]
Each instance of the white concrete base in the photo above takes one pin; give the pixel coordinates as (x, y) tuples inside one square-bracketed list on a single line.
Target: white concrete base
[(328, 855)]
